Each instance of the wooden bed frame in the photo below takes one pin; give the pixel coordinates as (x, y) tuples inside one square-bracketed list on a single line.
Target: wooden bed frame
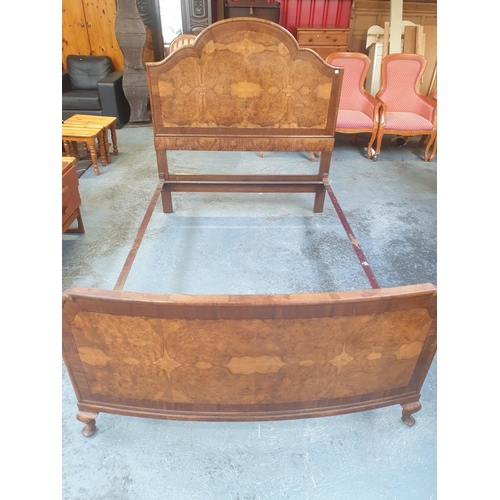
[(246, 357)]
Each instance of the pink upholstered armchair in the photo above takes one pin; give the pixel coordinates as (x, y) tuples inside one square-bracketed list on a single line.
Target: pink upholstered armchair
[(405, 110), (358, 110)]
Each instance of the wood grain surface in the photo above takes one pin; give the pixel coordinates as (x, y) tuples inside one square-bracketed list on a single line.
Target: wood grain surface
[(244, 74), (247, 357), (243, 85)]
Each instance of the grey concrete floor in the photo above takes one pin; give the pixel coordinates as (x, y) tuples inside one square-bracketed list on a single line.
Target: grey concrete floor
[(255, 243)]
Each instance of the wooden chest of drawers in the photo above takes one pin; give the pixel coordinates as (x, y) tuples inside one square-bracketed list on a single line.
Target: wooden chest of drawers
[(70, 196), (323, 40)]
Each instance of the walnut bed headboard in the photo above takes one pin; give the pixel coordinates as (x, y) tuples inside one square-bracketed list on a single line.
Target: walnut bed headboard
[(245, 85)]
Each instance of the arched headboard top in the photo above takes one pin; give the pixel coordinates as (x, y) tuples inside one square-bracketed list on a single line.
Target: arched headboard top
[(248, 77)]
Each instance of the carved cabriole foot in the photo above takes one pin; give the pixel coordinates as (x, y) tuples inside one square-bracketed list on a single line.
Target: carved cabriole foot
[(408, 409), (88, 419)]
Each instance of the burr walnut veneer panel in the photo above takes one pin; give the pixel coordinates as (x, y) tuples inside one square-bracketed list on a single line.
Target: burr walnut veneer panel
[(247, 357)]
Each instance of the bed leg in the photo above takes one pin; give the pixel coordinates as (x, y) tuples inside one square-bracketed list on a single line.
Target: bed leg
[(408, 409), (324, 167), (88, 419), (166, 199)]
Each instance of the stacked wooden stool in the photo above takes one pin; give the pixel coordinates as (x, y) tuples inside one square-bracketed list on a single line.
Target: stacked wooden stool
[(87, 129)]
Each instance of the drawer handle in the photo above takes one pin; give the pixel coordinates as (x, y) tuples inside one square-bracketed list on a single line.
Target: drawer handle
[(64, 189), (64, 210), (335, 39), (310, 39)]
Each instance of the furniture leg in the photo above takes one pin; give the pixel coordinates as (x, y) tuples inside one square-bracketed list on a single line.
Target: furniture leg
[(434, 148), (74, 144), (421, 142), (166, 193), (166, 199), (408, 409), (80, 229), (353, 138), (67, 149), (106, 144), (85, 149), (113, 138), (93, 155), (380, 134), (324, 167), (88, 419), (429, 144), (102, 151), (311, 155), (161, 160)]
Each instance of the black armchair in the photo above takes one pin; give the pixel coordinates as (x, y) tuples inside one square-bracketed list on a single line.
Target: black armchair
[(91, 87)]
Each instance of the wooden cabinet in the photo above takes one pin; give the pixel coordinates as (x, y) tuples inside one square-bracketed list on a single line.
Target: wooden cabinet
[(70, 196), (323, 40)]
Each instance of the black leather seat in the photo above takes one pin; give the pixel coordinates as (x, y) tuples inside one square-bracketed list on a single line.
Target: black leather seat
[(90, 86)]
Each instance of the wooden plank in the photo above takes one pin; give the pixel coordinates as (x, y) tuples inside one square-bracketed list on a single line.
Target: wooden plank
[(409, 41), (430, 54), (396, 27), (420, 41), (244, 186), (432, 84), (385, 50), (101, 15), (75, 38)]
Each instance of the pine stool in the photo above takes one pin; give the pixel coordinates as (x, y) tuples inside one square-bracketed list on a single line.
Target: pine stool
[(72, 133)]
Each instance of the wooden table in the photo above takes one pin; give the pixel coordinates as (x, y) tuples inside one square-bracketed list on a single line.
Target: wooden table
[(108, 122), (70, 197), (87, 134)]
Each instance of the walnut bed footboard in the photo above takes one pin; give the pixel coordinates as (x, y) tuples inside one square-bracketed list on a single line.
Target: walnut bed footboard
[(248, 357)]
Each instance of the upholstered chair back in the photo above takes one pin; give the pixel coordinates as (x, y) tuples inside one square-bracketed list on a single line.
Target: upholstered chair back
[(355, 66), (401, 74)]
